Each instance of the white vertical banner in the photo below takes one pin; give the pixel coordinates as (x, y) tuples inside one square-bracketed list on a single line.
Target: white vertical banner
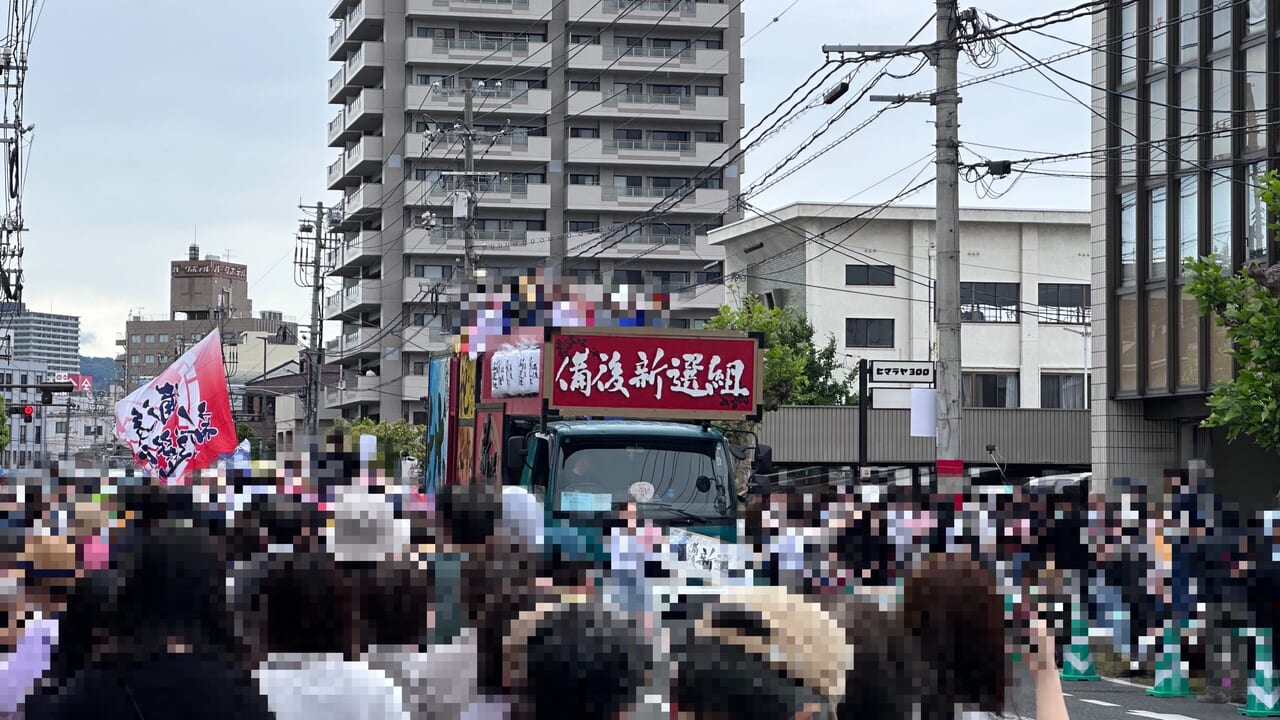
[(924, 412)]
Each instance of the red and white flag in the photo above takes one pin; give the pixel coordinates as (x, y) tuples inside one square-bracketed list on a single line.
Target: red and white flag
[(180, 421)]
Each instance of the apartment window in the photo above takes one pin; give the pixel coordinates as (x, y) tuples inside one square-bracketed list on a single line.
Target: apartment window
[(628, 181), (1064, 304), (711, 136), (670, 280), (868, 332), (195, 337), (1220, 217), (135, 338), (1159, 35), (668, 183), (661, 89), (584, 85), (162, 337), (24, 379), (1128, 238), (1189, 30), (581, 39), (584, 226), (868, 275), (989, 390), (584, 132), (681, 323), (1255, 220), (433, 272), (628, 277), (1128, 45), (708, 91), (1159, 126), (22, 433), (708, 277), (149, 359), (583, 276), (150, 339), (1255, 98), (135, 359), (989, 302), (627, 134), (1062, 391), (1158, 267), (60, 426), (1189, 123), (709, 44), (429, 320), (419, 368), (164, 359), (1188, 218), (583, 179)]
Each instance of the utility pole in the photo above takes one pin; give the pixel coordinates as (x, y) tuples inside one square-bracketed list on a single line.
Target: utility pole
[(469, 181), (66, 436), (317, 323), (947, 236), (944, 55)]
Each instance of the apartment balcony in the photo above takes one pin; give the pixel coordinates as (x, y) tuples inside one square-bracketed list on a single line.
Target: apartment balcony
[(700, 297), (362, 295), (355, 389), (358, 250), (684, 13), (415, 387), (338, 87), (362, 203), (625, 241), (364, 111), (336, 178), (504, 9), (432, 242), (338, 135), (364, 20), (502, 147), (425, 98), (491, 194), (339, 44), (668, 60), (598, 197), (466, 51), (664, 107), (364, 157), (643, 152), (432, 289), (354, 343), (365, 67)]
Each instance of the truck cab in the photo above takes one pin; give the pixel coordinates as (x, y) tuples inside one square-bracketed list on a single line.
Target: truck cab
[(680, 478)]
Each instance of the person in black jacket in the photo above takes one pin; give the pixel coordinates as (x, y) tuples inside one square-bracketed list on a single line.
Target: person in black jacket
[(171, 650)]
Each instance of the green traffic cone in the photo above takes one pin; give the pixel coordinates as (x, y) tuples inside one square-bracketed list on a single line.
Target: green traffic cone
[(1264, 697), (1171, 678), (1077, 663)]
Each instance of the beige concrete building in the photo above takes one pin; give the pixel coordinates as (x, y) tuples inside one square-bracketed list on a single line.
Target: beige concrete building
[(587, 113)]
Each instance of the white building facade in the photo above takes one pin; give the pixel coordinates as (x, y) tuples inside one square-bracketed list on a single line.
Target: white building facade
[(46, 338), (868, 282), (587, 115)]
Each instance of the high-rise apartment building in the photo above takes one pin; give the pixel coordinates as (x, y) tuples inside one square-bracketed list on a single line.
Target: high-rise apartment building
[(1188, 117), (587, 114), (45, 338)]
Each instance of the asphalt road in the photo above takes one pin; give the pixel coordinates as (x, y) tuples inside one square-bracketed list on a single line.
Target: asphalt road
[(1117, 700)]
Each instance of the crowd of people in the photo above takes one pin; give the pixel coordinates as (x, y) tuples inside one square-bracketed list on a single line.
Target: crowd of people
[(329, 590)]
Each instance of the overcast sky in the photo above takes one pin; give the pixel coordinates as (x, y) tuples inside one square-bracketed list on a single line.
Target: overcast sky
[(159, 121)]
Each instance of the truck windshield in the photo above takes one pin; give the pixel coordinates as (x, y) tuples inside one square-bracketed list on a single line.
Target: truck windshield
[(661, 475)]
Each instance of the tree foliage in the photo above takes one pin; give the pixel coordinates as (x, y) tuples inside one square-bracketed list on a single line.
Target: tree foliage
[(796, 371), (397, 439), (5, 431), (1249, 404)]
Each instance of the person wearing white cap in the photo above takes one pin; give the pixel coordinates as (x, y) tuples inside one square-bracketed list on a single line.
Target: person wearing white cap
[(365, 527), (522, 517)]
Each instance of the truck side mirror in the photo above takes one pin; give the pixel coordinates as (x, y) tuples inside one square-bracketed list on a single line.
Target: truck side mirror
[(514, 457), (763, 463)]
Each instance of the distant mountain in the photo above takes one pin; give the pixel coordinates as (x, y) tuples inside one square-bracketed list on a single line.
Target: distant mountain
[(103, 369)]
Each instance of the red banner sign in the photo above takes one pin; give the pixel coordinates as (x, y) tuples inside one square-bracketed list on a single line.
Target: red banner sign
[(651, 373)]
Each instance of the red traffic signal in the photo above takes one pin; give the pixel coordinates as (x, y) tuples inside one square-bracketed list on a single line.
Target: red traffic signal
[(28, 413)]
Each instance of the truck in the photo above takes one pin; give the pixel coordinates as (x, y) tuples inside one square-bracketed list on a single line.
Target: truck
[(595, 419)]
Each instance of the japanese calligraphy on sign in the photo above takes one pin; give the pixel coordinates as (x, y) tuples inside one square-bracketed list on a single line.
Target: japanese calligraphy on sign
[(515, 372), (636, 372), (180, 421)]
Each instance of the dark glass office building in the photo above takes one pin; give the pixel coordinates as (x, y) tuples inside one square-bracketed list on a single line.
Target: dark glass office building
[(1186, 94)]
